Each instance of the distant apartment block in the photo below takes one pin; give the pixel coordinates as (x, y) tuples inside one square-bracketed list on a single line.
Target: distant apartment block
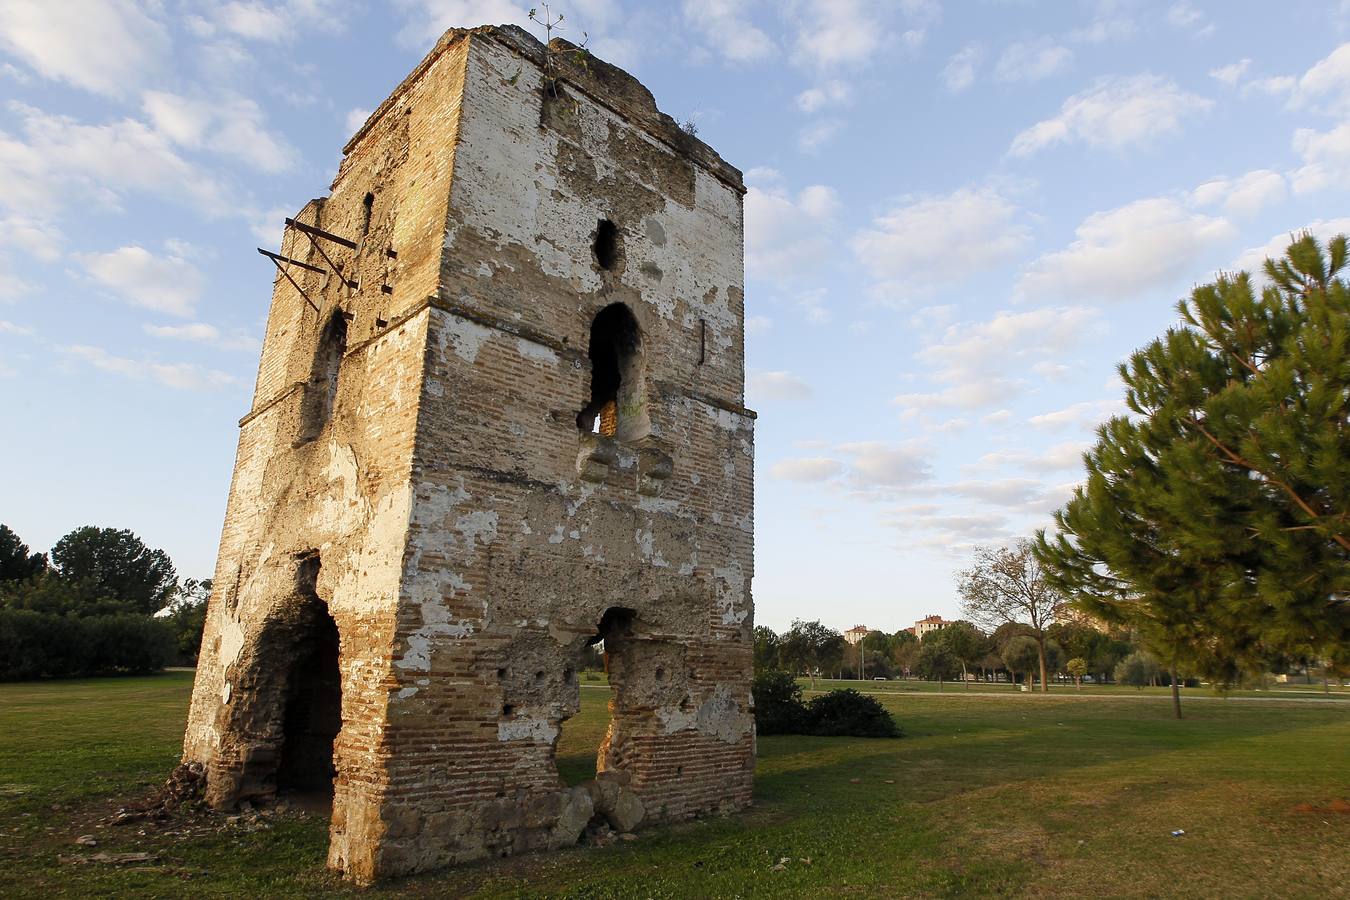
[(855, 634), (928, 625)]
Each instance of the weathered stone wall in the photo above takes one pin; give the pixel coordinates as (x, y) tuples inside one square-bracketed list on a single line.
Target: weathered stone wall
[(469, 538)]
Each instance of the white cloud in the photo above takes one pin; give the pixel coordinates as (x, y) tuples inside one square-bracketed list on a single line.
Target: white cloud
[(758, 324), (1244, 196), (11, 328), (1326, 85), (833, 32), (786, 235), (171, 285), (1008, 492), (60, 161), (828, 94), (954, 533), (726, 25), (1085, 415), (997, 417), (182, 376), (356, 118), (34, 237), (1273, 86), (203, 333), (1032, 60), (231, 126), (1107, 26), (817, 134), (1326, 159), (1120, 253), (1188, 18), (1253, 258), (1115, 113), (1232, 73), (274, 22), (940, 240), (1064, 456), (984, 363), (851, 32), (959, 73), (819, 468), (777, 385), (877, 464), (104, 46), (427, 20)]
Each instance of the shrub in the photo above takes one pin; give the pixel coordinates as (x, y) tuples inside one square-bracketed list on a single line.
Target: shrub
[(779, 710), (778, 704), (850, 713), (36, 645)]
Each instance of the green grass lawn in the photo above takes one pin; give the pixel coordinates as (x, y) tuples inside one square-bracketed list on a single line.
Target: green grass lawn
[(984, 796)]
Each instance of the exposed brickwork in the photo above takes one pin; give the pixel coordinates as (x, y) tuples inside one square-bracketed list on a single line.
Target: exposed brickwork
[(465, 536)]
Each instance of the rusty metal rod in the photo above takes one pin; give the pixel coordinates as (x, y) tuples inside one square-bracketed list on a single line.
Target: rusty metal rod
[(319, 232), (286, 259)]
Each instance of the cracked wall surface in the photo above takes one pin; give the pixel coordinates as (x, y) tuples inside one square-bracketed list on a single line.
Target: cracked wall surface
[(464, 535)]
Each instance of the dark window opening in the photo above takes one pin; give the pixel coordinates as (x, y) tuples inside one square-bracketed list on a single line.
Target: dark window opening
[(606, 246), (367, 210), (313, 704), (321, 391), (617, 406)]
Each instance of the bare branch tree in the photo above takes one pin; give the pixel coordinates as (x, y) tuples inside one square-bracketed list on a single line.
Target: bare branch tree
[(1006, 585)]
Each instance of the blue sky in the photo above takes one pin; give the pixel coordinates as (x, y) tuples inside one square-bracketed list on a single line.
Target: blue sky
[(960, 218)]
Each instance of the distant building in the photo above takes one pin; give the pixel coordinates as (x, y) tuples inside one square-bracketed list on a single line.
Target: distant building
[(928, 625), (855, 634)]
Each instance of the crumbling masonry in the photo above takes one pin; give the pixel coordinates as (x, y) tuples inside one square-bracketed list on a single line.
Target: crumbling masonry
[(499, 417)]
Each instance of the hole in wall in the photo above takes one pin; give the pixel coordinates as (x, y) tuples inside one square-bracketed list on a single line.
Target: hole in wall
[(325, 370), (367, 210), (611, 634), (313, 698), (618, 406), (606, 244)]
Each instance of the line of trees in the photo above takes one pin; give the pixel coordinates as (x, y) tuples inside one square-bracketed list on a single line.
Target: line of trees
[(100, 602), (1214, 520), (1014, 651)]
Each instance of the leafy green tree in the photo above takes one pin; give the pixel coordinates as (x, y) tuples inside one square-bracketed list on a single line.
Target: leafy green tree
[(811, 647), (766, 649), (1006, 585), (904, 649), (16, 563), (1077, 667), (936, 662), (778, 703), (1138, 669), (965, 643), (114, 564), (187, 615), (1213, 521), (1021, 654)]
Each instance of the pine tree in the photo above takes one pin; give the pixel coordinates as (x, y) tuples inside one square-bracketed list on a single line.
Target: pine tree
[(1215, 519)]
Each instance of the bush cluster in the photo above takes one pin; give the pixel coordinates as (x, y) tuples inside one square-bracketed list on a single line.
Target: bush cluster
[(35, 644), (845, 713)]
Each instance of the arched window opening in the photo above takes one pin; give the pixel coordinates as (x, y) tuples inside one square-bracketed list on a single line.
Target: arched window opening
[(312, 713), (606, 246), (321, 391), (367, 209), (617, 407)]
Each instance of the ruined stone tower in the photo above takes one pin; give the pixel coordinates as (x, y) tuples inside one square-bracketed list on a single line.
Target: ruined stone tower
[(499, 417)]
